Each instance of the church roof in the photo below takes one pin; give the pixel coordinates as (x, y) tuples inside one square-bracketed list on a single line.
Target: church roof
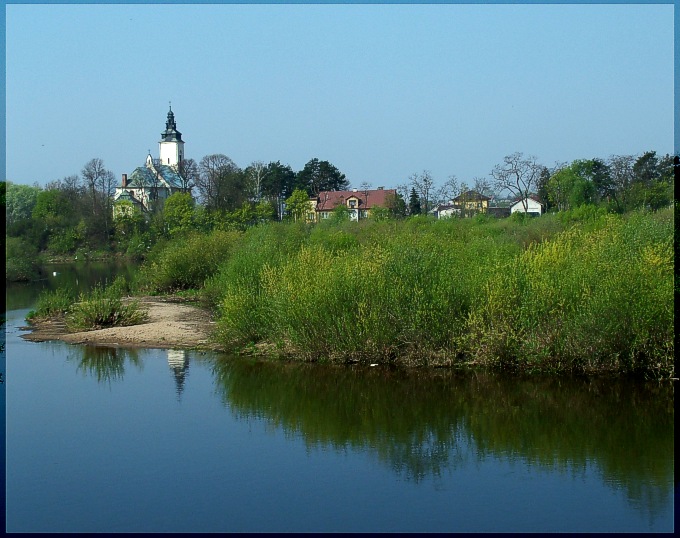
[(161, 176)]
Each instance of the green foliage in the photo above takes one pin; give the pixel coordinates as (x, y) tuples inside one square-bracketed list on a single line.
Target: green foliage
[(584, 301), (186, 262), (53, 303), (21, 260), (317, 176), (178, 210), (590, 294), (19, 202), (340, 214), (298, 205), (104, 307)]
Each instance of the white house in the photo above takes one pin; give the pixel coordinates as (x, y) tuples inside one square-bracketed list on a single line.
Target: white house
[(443, 211), (158, 178), (534, 206)]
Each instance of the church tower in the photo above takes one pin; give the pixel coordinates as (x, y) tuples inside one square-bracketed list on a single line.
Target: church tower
[(171, 146)]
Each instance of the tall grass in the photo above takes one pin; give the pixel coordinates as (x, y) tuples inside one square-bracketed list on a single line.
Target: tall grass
[(185, 263), (592, 295), (104, 307)]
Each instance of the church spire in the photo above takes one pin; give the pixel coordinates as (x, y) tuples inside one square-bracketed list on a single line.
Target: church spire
[(171, 134)]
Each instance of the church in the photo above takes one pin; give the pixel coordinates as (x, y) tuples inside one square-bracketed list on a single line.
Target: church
[(158, 178)]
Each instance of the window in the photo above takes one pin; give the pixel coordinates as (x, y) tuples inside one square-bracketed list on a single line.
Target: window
[(352, 203)]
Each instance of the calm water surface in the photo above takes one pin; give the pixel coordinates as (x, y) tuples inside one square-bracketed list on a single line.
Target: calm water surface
[(104, 439)]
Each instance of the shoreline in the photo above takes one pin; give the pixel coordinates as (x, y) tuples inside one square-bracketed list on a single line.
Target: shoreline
[(170, 324)]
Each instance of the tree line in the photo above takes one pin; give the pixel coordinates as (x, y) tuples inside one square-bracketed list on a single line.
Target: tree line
[(75, 212)]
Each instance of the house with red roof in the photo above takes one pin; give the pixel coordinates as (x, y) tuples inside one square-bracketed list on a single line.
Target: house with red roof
[(360, 203)]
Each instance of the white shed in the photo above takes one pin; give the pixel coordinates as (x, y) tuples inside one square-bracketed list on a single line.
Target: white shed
[(534, 207)]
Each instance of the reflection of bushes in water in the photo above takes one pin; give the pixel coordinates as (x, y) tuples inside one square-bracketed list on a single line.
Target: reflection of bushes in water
[(423, 422), (105, 363)]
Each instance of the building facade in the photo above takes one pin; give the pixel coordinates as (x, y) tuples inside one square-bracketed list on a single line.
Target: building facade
[(359, 203)]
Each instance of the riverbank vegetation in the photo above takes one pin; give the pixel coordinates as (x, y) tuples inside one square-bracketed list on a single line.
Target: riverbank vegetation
[(578, 291), (103, 307), (587, 287)]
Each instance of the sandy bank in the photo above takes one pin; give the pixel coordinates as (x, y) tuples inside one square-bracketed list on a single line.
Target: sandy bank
[(171, 324)]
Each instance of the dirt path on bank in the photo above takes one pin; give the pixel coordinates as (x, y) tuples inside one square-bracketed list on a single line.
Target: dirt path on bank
[(171, 324)]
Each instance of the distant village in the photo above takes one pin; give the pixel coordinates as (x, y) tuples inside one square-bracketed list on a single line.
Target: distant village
[(161, 177)]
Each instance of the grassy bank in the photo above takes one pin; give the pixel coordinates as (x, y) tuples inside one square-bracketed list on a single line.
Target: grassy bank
[(102, 307), (574, 292)]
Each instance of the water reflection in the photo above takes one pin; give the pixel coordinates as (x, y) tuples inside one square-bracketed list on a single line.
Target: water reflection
[(105, 364), (179, 364), (424, 423)]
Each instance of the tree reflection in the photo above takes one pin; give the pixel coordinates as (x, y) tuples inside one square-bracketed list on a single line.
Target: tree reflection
[(106, 364), (423, 423)]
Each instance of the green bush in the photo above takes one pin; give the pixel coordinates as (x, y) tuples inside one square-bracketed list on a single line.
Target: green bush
[(185, 263), (52, 303), (22, 262), (104, 307)]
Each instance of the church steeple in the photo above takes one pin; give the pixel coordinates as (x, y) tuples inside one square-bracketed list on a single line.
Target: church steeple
[(171, 145), (171, 134)]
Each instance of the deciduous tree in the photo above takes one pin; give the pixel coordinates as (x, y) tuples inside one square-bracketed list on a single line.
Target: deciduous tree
[(517, 174)]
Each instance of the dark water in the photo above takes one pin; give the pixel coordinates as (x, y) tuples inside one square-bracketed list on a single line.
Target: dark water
[(102, 439)]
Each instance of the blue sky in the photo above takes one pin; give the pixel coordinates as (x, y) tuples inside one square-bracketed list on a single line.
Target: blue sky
[(381, 91)]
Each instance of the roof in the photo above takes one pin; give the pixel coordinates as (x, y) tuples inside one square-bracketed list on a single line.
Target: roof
[(530, 197), (328, 200), (144, 176)]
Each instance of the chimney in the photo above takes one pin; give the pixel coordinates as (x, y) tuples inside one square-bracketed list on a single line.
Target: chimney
[(354, 190), (124, 180), (380, 188)]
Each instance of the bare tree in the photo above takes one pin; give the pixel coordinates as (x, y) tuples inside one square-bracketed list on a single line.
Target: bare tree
[(187, 169), (101, 186), (424, 186), (255, 173), (483, 186), (213, 182), (621, 173), (517, 174)]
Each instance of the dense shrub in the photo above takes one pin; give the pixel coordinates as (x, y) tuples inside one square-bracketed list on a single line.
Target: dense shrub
[(185, 263), (21, 262), (584, 295)]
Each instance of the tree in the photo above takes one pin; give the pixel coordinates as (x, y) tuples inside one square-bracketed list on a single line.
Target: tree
[(572, 186), (317, 176), (621, 175), (179, 212), (101, 186), (187, 169), (424, 187), (220, 183), (255, 173), (414, 203), (278, 184), (396, 205), (19, 202), (483, 186), (542, 187), (298, 204), (517, 174)]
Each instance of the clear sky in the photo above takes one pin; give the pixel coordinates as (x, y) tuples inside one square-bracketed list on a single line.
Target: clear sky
[(381, 91)]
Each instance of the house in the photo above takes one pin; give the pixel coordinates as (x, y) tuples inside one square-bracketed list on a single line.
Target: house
[(472, 202), (360, 203), (443, 211), (158, 178), (534, 206)]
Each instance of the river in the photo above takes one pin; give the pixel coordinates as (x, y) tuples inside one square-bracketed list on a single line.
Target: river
[(124, 440)]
